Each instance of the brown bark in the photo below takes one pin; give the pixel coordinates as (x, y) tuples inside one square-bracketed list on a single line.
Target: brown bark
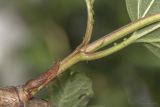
[(19, 96)]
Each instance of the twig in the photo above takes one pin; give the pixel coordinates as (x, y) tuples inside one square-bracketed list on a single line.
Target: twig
[(90, 22), (18, 96)]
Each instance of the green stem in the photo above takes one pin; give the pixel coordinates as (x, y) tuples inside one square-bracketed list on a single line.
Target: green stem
[(75, 56), (35, 85), (85, 51), (90, 22), (64, 65), (122, 32), (120, 46), (100, 54), (82, 55)]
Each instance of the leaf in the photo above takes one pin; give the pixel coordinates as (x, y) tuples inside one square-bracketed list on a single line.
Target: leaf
[(139, 56), (141, 8), (154, 47), (71, 90)]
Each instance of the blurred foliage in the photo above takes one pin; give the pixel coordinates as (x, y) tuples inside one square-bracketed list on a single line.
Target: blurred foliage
[(72, 89), (57, 27)]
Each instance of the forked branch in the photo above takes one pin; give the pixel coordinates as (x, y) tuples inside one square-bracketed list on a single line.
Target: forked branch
[(18, 96)]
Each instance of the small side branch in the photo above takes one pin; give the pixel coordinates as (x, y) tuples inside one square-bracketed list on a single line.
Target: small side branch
[(90, 22), (86, 39)]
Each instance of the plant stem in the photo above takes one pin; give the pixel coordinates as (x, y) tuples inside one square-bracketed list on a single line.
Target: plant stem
[(84, 55), (84, 52), (88, 55), (35, 85), (90, 22), (64, 65), (75, 56), (117, 47), (109, 38)]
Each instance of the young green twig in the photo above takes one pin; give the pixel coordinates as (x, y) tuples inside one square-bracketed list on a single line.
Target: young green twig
[(18, 96), (89, 52), (90, 23), (86, 39)]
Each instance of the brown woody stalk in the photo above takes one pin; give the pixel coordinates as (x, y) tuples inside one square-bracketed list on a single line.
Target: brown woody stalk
[(18, 96)]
